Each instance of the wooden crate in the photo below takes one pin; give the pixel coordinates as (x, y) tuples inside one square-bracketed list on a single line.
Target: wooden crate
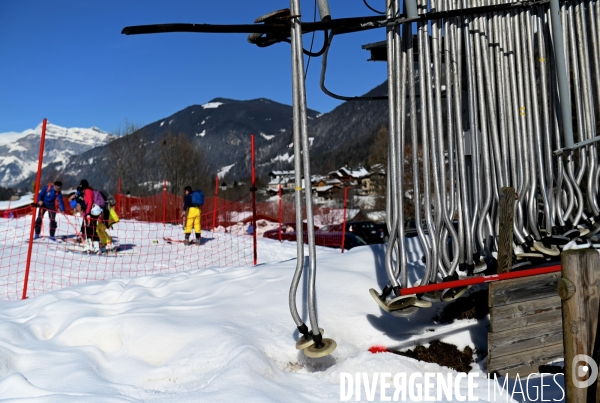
[(525, 325)]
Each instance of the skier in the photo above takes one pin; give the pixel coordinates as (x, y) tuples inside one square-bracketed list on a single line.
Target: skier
[(47, 202), (92, 212), (102, 221), (192, 201)]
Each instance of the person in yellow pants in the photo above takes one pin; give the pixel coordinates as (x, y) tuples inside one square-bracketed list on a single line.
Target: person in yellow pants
[(191, 212), (103, 225)]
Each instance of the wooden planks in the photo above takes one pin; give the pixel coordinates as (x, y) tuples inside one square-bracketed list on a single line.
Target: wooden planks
[(523, 289), (514, 341), (525, 363), (525, 325), (521, 314)]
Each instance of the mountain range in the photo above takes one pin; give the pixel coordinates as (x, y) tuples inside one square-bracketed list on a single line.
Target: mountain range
[(19, 152), (222, 129)]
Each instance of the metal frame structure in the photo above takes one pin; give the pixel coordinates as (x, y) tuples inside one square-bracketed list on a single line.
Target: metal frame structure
[(486, 106)]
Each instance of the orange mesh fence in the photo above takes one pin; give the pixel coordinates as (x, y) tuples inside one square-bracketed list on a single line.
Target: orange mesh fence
[(149, 239)]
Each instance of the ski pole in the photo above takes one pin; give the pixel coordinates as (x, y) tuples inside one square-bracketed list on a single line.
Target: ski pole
[(75, 228)]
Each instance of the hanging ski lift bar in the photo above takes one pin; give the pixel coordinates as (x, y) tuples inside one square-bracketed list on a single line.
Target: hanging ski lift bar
[(479, 280)]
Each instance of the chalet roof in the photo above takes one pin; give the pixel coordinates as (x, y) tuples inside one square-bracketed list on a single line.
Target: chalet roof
[(323, 188), (282, 173), (280, 181), (354, 173)]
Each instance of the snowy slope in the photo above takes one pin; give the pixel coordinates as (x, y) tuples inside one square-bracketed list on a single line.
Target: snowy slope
[(217, 334), (19, 151)]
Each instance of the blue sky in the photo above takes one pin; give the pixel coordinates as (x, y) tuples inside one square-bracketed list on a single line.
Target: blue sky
[(67, 61)]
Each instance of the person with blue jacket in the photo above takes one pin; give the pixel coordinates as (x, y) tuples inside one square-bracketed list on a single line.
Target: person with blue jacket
[(192, 215), (47, 202)]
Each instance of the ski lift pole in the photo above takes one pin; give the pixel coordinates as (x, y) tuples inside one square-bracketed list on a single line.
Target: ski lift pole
[(317, 346), (302, 328), (34, 207), (298, 62)]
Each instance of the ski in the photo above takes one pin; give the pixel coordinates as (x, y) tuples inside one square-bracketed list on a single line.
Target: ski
[(181, 241), (171, 240), (116, 252)]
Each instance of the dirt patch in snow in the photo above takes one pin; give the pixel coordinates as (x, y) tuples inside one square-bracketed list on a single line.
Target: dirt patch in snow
[(444, 354)]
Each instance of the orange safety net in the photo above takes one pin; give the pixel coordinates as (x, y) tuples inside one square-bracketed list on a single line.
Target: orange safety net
[(149, 239)]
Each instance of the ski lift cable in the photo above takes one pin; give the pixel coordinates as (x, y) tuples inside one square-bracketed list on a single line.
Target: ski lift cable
[(372, 9), (338, 26), (312, 41), (331, 94)]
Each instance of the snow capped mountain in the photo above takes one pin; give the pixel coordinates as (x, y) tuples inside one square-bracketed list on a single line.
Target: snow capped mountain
[(19, 151)]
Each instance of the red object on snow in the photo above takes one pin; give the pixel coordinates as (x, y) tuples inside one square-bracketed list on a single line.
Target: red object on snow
[(378, 349)]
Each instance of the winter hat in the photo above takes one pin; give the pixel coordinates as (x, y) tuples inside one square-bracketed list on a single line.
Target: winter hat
[(84, 184), (188, 188), (58, 183)]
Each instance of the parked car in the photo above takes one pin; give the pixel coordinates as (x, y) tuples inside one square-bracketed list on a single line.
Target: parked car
[(367, 230), (288, 231), (383, 232), (332, 239)]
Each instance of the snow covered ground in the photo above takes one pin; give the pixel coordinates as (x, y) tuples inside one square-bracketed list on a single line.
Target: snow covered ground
[(226, 335)]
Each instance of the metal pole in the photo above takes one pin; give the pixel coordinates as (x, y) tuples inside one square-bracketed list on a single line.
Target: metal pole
[(298, 61), (34, 209), (561, 72), (297, 187), (410, 8)]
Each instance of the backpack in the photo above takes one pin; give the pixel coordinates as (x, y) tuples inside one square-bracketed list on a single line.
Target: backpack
[(99, 199), (108, 198), (197, 198)]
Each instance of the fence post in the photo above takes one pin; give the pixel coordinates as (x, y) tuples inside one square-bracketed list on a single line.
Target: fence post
[(164, 202), (253, 190), (215, 203), (34, 208), (280, 211), (344, 218), (119, 207), (579, 289)]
